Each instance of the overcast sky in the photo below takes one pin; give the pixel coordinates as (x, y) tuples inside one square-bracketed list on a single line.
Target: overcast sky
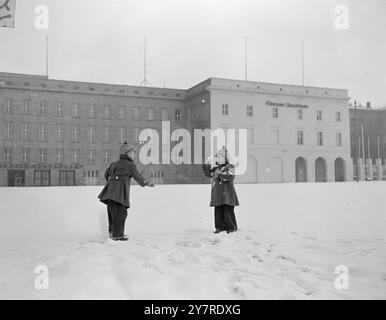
[(191, 40)]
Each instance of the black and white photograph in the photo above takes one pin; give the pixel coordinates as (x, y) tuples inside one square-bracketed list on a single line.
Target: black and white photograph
[(192, 150)]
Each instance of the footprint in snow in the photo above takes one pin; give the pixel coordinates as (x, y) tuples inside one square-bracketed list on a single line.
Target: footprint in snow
[(256, 257), (188, 244), (285, 258)]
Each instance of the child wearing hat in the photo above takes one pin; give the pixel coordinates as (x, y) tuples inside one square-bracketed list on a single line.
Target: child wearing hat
[(223, 193), (116, 192)]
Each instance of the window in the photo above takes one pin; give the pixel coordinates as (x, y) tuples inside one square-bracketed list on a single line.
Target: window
[(300, 137), (250, 135), (25, 107), (299, 114), (337, 116), (122, 113), (8, 130), (7, 154), (75, 111), (319, 138), (106, 156), (24, 131), (75, 156), (319, 115), (91, 156), (150, 114), (165, 115), (106, 135), (59, 155), (177, 115), (59, 132), (275, 113), (339, 139), (59, 109), (75, 133), (42, 155), (43, 109), (91, 111), (135, 134), (42, 178), (107, 112), (91, 134), (8, 106), (42, 132), (66, 178), (24, 155), (91, 177), (122, 135), (249, 111), (92, 174), (136, 113), (225, 109)]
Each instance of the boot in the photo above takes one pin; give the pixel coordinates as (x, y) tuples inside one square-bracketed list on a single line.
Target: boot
[(124, 238)]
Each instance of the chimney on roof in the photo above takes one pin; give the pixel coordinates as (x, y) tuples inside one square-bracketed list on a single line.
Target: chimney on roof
[(368, 105)]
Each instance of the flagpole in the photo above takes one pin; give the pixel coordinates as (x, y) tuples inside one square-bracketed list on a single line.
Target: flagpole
[(378, 148), (47, 57), (302, 64), (363, 148), (246, 58)]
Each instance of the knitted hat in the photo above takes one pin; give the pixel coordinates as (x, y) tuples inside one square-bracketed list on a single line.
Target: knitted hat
[(125, 148), (223, 151)]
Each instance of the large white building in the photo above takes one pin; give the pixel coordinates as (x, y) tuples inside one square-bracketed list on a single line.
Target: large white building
[(295, 133), (57, 132)]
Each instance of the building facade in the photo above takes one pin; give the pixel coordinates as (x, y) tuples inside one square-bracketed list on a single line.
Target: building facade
[(368, 142), (66, 133), (295, 133), (372, 122), (58, 132)]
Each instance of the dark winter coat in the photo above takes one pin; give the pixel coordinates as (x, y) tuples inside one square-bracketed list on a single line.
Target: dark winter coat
[(223, 189), (118, 177)]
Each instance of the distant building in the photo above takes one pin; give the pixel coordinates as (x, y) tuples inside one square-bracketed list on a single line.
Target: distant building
[(57, 132), (373, 122)]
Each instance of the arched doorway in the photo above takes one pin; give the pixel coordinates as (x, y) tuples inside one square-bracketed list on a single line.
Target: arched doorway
[(275, 170), (301, 169), (320, 170), (340, 174), (250, 176)]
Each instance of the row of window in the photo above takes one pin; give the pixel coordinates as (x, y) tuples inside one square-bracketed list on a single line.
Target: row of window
[(76, 111), (275, 113), (42, 155), (156, 174), (300, 137), (93, 132), (42, 178), (67, 177)]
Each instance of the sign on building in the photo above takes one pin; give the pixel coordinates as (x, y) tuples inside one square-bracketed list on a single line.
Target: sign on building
[(7, 13)]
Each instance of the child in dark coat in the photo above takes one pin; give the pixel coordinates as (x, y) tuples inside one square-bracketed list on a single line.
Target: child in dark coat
[(223, 193), (116, 192)]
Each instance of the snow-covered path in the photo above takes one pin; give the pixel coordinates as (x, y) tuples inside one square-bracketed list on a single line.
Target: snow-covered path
[(291, 239)]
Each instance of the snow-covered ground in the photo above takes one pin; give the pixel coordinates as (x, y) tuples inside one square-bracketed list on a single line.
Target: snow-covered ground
[(291, 238)]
